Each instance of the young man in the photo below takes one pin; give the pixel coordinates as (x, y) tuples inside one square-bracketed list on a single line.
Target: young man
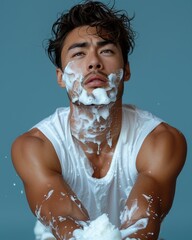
[(98, 156)]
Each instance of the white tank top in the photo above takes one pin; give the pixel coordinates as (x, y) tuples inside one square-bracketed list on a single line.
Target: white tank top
[(108, 194)]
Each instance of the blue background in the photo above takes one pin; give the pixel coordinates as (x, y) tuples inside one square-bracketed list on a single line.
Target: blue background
[(161, 82)]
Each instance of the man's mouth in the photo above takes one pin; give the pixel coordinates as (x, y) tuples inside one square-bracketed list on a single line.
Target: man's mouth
[(95, 81)]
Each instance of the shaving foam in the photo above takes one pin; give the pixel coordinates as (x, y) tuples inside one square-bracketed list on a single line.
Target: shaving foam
[(73, 79), (89, 125), (101, 228)]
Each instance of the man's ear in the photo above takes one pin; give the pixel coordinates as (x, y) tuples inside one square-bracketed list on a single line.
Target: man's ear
[(59, 78), (127, 73)]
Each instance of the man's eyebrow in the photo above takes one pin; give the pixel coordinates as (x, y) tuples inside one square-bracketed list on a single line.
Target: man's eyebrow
[(105, 42), (86, 44), (78, 45)]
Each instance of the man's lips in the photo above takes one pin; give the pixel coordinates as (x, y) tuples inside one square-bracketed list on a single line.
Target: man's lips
[(95, 81)]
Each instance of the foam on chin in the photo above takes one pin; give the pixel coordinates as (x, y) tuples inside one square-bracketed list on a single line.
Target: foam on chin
[(73, 79)]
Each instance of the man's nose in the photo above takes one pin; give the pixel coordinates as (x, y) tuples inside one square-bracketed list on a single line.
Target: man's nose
[(94, 66), (94, 63)]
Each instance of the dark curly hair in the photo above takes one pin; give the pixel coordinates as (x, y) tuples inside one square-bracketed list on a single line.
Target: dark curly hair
[(94, 14)]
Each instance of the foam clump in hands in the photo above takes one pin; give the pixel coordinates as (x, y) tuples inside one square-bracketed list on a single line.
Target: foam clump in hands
[(100, 228), (42, 232)]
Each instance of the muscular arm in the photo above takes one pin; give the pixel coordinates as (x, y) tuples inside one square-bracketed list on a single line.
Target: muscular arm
[(159, 162), (49, 197)]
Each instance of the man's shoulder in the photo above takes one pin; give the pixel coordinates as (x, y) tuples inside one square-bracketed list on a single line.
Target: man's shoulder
[(33, 148), (32, 137), (166, 137), (165, 132), (31, 142), (164, 146)]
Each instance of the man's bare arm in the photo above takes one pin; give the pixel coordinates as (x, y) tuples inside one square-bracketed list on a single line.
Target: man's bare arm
[(159, 163), (49, 197)]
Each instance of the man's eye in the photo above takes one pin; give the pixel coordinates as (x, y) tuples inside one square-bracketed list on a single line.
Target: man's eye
[(107, 51), (78, 54)]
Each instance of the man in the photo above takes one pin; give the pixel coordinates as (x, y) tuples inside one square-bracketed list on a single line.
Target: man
[(98, 156)]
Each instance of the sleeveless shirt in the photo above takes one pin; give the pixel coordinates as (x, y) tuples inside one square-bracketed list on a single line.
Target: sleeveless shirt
[(108, 194)]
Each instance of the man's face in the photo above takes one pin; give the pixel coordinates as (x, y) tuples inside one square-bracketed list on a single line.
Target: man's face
[(93, 68)]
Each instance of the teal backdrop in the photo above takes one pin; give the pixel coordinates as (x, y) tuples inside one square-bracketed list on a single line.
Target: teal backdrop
[(161, 82)]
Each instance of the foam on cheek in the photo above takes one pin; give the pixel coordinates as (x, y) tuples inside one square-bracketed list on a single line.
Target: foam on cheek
[(73, 79), (114, 80)]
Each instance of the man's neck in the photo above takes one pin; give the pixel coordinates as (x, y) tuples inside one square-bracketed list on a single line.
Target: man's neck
[(96, 128)]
